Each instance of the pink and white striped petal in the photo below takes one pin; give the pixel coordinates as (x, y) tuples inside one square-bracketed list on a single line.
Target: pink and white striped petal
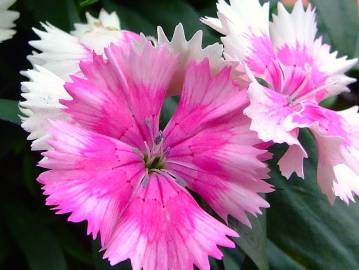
[(92, 177), (164, 228), (189, 51), (338, 154), (122, 96), (217, 157)]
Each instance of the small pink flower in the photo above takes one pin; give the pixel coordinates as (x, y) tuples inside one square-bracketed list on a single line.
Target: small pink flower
[(112, 166), (298, 72)]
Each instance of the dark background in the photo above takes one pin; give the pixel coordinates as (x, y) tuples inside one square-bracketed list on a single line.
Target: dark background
[(300, 231)]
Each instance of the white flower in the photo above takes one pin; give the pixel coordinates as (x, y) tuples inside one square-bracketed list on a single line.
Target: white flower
[(61, 52), (7, 18), (57, 56)]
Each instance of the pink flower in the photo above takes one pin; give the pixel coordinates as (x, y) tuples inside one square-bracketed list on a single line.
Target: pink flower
[(299, 72), (112, 166)]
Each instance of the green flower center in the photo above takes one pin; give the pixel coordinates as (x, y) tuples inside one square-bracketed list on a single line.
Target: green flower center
[(153, 164)]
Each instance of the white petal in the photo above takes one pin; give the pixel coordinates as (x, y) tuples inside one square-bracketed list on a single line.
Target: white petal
[(42, 95), (105, 20), (297, 27), (238, 21), (335, 67), (59, 51), (7, 18), (188, 51)]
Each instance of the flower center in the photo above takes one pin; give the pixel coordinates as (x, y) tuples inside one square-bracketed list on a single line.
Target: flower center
[(155, 153), (153, 164)]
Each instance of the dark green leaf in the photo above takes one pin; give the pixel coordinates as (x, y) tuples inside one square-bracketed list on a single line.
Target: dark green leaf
[(339, 19), (38, 243), (329, 102), (233, 258), (253, 241), (168, 109), (278, 259), (9, 111), (130, 19), (55, 12), (73, 12), (88, 3), (304, 226)]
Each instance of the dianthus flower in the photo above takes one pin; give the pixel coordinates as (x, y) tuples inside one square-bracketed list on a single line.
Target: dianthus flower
[(295, 72), (112, 166)]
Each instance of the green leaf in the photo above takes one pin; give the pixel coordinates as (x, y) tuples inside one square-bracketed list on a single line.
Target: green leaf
[(34, 238), (339, 19), (278, 259), (233, 259), (55, 12), (72, 12), (168, 109), (329, 102), (130, 19), (88, 3), (303, 225), (9, 111), (253, 241)]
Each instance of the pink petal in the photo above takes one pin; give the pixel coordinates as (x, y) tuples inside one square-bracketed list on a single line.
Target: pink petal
[(211, 147), (338, 154), (164, 228), (261, 54), (292, 161), (91, 176), (204, 100), (268, 111), (122, 97)]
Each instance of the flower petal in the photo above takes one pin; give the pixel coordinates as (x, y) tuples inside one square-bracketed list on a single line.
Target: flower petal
[(294, 35), (7, 19), (188, 51), (292, 161), (297, 27), (268, 111), (42, 93), (122, 97), (236, 22), (164, 228), (338, 154), (59, 51), (211, 149), (91, 176)]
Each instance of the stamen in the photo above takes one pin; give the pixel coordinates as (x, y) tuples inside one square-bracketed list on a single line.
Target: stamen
[(145, 180), (158, 138), (148, 151)]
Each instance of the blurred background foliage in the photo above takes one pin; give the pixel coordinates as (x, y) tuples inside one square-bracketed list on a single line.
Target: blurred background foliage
[(301, 230)]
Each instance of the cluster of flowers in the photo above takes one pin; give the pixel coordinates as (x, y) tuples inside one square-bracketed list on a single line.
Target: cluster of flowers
[(93, 102)]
